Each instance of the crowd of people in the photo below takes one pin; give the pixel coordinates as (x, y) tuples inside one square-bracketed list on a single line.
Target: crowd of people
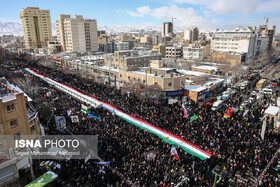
[(235, 143)]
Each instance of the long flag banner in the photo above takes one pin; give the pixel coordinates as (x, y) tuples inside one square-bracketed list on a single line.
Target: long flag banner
[(164, 135)]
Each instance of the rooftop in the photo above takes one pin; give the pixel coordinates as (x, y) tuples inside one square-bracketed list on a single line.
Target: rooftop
[(195, 88), (108, 68), (214, 81), (206, 68), (9, 91), (166, 69), (239, 30), (191, 73)]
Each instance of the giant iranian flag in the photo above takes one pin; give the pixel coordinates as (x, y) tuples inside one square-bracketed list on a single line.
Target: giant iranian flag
[(163, 134)]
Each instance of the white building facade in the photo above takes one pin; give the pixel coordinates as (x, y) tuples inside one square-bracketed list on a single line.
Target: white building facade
[(237, 41), (191, 34), (77, 34), (195, 52), (173, 52)]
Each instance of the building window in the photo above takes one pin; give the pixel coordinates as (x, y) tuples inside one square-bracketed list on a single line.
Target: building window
[(32, 128), (11, 108), (129, 77), (169, 84), (120, 75), (144, 81), (14, 123), (156, 83)]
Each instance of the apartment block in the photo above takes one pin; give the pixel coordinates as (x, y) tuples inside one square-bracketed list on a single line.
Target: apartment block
[(37, 27), (155, 74), (174, 52), (122, 46), (196, 52), (237, 42), (160, 48), (191, 34), (17, 117), (268, 31), (77, 34), (130, 60)]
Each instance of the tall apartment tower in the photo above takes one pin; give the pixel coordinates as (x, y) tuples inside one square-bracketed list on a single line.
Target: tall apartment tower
[(90, 34), (167, 29), (266, 30), (37, 27), (60, 29), (191, 34), (77, 34)]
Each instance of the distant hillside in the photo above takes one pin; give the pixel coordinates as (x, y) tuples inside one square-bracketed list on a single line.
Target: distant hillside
[(15, 28)]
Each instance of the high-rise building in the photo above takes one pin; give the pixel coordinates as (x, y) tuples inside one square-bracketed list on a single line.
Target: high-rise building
[(60, 29), (240, 41), (191, 34), (37, 27), (91, 34), (77, 34), (167, 29), (268, 31)]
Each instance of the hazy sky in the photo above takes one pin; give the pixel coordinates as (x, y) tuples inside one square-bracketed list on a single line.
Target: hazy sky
[(202, 13)]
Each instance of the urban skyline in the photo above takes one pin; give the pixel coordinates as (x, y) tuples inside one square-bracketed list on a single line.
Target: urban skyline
[(206, 15)]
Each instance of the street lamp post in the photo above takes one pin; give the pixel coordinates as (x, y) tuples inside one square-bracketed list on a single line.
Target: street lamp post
[(31, 165), (146, 78)]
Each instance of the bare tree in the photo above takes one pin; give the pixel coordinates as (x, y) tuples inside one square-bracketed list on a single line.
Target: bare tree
[(148, 92), (43, 61), (127, 88), (202, 79), (154, 92)]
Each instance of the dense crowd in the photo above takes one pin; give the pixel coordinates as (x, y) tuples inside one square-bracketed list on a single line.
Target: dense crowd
[(235, 143)]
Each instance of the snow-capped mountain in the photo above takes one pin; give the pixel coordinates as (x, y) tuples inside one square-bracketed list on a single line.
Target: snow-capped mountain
[(15, 28)]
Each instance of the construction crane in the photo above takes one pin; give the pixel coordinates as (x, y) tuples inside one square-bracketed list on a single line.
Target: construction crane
[(267, 18), (172, 18)]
